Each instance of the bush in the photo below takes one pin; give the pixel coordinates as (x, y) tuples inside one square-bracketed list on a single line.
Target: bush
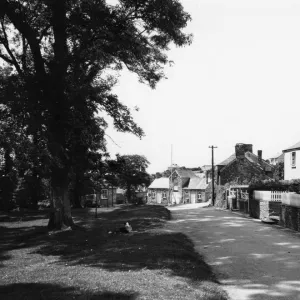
[(275, 185)]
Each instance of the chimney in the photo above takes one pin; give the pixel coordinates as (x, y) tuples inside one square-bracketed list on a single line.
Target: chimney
[(259, 155), (241, 149)]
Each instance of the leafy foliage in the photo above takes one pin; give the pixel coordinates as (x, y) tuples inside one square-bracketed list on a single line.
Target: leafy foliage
[(279, 171), (130, 172), (275, 185)]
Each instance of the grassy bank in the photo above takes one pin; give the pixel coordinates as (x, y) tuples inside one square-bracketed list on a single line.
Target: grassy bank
[(149, 263)]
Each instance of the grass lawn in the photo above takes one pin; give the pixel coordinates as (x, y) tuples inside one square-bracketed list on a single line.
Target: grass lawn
[(149, 263)]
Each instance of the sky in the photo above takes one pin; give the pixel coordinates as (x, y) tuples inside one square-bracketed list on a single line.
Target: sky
[(239, 82)]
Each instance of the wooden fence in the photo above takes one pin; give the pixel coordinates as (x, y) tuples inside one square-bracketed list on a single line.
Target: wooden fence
[(275, 196)]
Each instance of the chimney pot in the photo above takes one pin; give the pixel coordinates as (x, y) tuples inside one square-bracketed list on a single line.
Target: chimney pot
[(259, 154)]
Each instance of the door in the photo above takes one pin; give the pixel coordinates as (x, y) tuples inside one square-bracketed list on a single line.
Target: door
[(193, 197), (159, 197)]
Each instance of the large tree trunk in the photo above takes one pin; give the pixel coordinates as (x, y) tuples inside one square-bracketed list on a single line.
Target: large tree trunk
[(77, 194), (60, 212)]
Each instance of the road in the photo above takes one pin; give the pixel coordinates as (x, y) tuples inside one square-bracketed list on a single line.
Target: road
[(252, 260)]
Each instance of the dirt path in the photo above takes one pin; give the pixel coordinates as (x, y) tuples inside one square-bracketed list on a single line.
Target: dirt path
[(252, 260)]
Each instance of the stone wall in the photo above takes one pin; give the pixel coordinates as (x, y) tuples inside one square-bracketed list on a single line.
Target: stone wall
[(220, 197), (290, 217), (261, 209), (241, 171), (241, 149)]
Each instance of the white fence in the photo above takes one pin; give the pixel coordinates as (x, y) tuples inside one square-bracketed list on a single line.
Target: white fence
[(269, 195), (291, 199)]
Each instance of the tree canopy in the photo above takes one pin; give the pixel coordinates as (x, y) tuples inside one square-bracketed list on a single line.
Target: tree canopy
[(130, 172), (61, 58)]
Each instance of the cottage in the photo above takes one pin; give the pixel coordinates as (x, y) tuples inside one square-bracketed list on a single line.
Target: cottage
[(291, 162), (234, 174), (183, 186), (104, 195), (243, 167), (195, 191), (158, 191)]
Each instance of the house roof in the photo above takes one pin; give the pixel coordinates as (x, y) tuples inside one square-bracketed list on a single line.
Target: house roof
[(197, 184), (296, 146), (250, 156), (228, 160), (277, 155), (159, 183), (186, 173)]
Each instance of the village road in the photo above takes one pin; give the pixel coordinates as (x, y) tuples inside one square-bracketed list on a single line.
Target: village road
[(252, 260)]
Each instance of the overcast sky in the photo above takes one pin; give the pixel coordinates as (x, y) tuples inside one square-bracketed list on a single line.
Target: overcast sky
[(239, 82)]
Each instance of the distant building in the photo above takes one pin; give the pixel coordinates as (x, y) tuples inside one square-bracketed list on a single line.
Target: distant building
[(158, 191), (183, 186), (277, 158), (234, 174), (243, 166), (292, 162)]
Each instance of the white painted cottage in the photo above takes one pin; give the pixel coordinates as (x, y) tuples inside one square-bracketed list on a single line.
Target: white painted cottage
[(292, 162)]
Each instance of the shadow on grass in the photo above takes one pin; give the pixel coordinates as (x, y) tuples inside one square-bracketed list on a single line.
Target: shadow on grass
[(26, 215), (20, 237), (38, 291), (148, 247)]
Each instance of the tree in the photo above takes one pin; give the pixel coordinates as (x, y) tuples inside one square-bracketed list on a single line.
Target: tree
[(131, 172), (158, 175), (279, 171), (61, 51)]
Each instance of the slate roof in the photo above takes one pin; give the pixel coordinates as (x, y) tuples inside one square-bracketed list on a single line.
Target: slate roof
[(250, 156), (277, 155), (197, 184), (159, 183), (296, 146), (228, 160), (186, 173)]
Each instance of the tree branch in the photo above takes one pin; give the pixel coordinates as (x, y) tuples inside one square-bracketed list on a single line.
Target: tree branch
[(44, 32), (14, 13), (113, 140), (5, 58), (5, 43)]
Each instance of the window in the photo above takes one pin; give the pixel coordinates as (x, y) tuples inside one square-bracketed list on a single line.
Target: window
[(104, 194), (164, 195), (199, 196), (153, 194), (293, 159)]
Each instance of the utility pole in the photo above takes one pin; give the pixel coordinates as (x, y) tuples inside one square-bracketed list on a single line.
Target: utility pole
[(213, 174), (170, 180)]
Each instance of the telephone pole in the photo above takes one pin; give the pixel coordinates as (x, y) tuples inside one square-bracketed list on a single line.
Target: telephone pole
[(170, 180), (213, 174)]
